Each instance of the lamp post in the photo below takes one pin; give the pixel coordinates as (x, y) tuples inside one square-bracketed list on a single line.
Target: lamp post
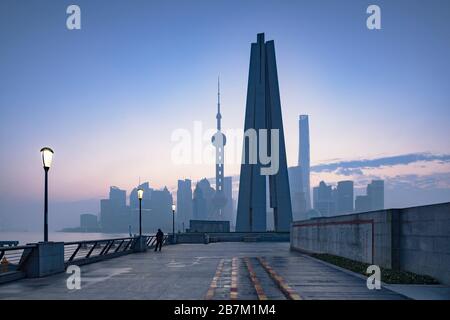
[(47, 157), (140, 193), (173, 219)]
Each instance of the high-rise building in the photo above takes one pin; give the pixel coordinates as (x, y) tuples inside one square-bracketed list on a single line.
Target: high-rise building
[(298, 197), (323, 200), (184, 203), (199, 204), (263, 111), (374, 198), (118, 197), (375, 191), (134, 201), (303, 157), (203, 201), (344, 197), (114, 213), (228, 192), (160, 213), (363, 204), (156, 209)]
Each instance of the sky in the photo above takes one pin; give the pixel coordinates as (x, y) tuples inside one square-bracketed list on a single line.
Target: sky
[(107, 98)]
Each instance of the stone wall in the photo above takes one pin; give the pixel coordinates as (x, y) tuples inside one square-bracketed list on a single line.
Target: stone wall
[(424, 241), (413, 239)]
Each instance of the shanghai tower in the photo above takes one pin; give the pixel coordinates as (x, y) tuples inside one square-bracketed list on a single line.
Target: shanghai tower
[(303, 157), (263, 114)]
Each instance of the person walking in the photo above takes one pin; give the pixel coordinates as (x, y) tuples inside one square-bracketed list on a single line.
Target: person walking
[(159, 239)]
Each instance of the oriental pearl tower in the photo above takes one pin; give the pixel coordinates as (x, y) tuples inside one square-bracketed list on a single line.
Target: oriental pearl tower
[(219, 140)]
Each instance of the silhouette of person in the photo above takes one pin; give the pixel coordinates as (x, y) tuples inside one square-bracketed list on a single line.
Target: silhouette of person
[(159, 239)]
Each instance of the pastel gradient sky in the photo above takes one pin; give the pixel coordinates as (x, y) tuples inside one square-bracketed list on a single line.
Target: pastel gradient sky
[(107, 97)]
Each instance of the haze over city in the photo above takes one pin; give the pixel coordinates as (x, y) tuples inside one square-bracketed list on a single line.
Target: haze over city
[(108, 97)]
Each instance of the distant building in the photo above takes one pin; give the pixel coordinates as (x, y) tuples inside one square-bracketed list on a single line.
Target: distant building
[(184, 203), (344, 197), (117, 197), (298, 196), (146, 208), (363, 204), (375, 191), (199, 204), (209, 226), (203, 195), (310, 214), (373, 200), (134, 201), (116, 216), (228, 192), (114, 213), (304, 158), (88, 222), (323, 200), (160, 213)]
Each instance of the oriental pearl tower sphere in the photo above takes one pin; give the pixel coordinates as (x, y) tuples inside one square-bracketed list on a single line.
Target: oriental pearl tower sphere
[(219, 140)]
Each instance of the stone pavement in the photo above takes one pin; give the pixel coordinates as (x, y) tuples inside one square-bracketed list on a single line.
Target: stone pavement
[(228, 271)]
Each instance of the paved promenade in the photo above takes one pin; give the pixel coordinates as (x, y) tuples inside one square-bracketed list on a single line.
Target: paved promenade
[(197, 271)]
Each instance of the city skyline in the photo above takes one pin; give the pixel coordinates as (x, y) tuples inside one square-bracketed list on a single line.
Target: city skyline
[(366, 96)]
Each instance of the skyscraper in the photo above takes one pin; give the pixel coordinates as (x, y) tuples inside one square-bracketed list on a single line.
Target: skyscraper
[(184, 203), (373, 200), (228, 192), (203, 200), (363, 203), (375, 191), (303, 157), (263, 111), (344, 201), (134, 201), (117, 197), (323, 200), (298, 197), (114, 213)]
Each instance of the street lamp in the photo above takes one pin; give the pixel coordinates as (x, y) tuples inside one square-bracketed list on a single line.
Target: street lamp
[(47, 157), (140, 193), (173, 219)]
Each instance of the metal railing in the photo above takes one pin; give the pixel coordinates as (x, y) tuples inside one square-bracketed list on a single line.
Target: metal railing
[(12, 258), (76, 252), (151, 241), (82, 252), (9, 243)]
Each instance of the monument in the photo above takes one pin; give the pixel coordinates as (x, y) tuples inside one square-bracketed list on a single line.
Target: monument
[(263, 112)]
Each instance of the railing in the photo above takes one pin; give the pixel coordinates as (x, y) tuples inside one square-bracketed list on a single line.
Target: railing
[(151, 241), (82, 252), (12, 258), (76, 252), (9, 243)]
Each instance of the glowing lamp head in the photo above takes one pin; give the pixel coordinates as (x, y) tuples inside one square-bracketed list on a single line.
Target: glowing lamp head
[(140, 193), (47, 157), (173, 207)]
